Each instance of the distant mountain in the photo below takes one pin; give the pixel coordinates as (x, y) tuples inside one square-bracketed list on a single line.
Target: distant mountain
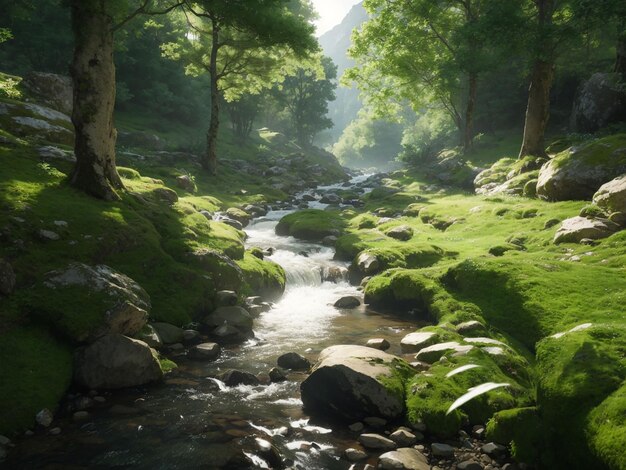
[(335, 44)]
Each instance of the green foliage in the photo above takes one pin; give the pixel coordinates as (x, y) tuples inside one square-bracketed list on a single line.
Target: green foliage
[(521, 429)]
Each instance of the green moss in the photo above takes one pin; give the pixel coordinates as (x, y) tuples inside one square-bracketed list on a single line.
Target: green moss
[(606, 430), (521, 429), (591, 211), (167, 365), (395, 384), (264, 278), (430, 395), (128, 173), (36, 370), (311, 224), (605, 151)]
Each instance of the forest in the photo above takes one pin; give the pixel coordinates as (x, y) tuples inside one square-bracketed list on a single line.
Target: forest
[(231, 237)]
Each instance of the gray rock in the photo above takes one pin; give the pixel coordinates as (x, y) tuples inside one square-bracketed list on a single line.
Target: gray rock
[(378, 343), (226, 298), (55, 431), (368, 263), (237, 317), (600, 101), (185, 182), (48, 235), (413, 342), (52, 89), (493, 449), (169, 334), (234, 377), (7, 278), (349, 381), (294, 361), (435, 352), (150, 336), (191, 337), (356, 427), (403, 438), (471, 326), (329, 240), (348, 302), (575, 229), (401, 232), (4, 441), (469, 465), (116, 361), (403, 459), (354, 455), (376, 441), (204, 352), (579, 172), (612, 195), (125, 306), (442, 450), (277, 375), (44, 418)]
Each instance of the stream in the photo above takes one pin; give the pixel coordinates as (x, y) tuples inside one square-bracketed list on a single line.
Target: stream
[(192, 420)]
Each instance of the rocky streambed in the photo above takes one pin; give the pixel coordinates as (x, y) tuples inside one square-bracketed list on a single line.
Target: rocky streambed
[(244, 409)]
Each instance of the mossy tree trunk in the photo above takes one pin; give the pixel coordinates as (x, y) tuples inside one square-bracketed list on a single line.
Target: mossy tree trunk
[(93, 76), (209, 159), (542, 76)]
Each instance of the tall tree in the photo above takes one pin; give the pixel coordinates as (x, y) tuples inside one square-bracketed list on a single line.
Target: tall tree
[(434, 51), (94, 23), (305, 95), (240, 43)]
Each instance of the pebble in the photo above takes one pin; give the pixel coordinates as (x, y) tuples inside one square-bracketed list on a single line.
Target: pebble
[(356, 427), (378, 343), (493, 449), (469, 465), (354, 455), (48, 235), (403, 438), (55, 431), (44, 418), (442, 450), (376, 441), (478, 431), (29, 433)]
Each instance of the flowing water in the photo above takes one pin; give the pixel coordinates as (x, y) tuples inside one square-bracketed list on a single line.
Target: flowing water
[(192, 420)]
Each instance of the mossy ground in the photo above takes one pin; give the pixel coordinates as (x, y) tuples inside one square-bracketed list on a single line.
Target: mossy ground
[(311, 224), (501, 267)]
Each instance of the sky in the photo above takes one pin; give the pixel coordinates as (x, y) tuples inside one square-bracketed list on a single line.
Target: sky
[(331, 13)]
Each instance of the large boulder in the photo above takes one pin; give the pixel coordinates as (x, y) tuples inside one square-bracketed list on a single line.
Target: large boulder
[(116, 361), (401, 232), (577, 228), (577, 173), (107, 300), (237, 319), (600, 101), (612, 195), (51, 89), (355, 382), (224, 272), (36, 122)]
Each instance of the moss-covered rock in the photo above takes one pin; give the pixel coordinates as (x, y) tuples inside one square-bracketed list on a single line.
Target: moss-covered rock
[(264, 278), (519, 428), (577, 173), (311, 224)]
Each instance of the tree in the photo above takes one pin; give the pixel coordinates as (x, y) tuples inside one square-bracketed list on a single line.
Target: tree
[(242, 113), (94, 23), (241, 44), (434, 51), (305, 95)]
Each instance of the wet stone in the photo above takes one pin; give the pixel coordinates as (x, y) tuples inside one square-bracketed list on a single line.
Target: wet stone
[(493, 449), (403, 438), (356, 427), (378, 343), (204, 352), (442, 450), (277, 375), (294, 361), (376, 441), (44, 418), (354, 455), (469, 465)]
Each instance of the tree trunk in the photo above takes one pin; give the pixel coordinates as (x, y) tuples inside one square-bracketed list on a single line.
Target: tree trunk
[(620, 60), (468, 131), (209, 162), (538, 109), (93, 77)]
